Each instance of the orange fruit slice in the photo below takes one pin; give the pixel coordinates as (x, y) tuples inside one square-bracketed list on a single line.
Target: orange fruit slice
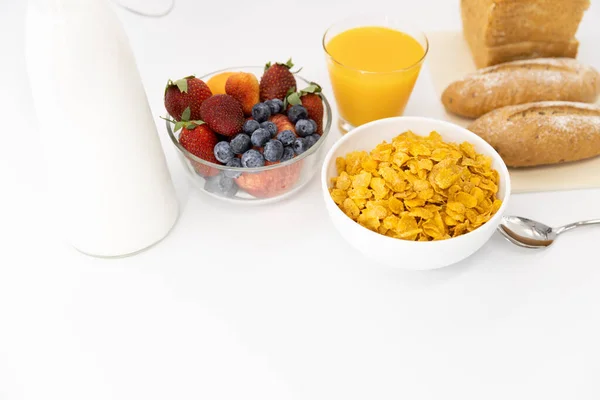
[(217, 82)]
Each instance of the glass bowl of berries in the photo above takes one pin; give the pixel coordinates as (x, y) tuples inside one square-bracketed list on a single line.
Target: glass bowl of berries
[(248, 134)]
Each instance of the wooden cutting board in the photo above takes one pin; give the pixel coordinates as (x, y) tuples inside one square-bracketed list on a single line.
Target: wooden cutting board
[(449, 59)]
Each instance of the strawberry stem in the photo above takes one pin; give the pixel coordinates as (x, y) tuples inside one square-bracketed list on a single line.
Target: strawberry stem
[(289, 64), (311, 88), (167, 119)]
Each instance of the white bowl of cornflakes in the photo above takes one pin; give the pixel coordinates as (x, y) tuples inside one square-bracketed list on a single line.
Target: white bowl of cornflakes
[(415, 193)]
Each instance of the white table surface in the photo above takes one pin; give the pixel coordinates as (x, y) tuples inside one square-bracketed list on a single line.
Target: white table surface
[(216, 312)]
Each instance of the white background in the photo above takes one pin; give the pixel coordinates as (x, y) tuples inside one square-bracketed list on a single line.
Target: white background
[(269, 302)]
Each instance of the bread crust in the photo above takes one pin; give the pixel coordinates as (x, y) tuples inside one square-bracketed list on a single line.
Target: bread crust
[(542, 133), (485, 56), (521, 82)]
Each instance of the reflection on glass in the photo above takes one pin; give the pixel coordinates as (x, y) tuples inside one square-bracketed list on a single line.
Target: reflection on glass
[(147, 8)]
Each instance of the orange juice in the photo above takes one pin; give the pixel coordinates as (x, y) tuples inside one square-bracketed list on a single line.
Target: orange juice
[(373, 70)]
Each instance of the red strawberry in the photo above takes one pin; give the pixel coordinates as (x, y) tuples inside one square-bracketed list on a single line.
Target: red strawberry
[(183, 93), (310, 99), (314, 105), (223, 114), (277, 81), (282, 122), (197, 138)]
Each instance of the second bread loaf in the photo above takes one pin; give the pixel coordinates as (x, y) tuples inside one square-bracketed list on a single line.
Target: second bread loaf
[(542, 133)]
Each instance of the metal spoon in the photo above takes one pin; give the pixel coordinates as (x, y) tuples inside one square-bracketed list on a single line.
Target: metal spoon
[(532, 234)]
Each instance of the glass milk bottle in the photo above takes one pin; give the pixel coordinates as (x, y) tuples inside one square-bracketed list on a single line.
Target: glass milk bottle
[(105, 165)]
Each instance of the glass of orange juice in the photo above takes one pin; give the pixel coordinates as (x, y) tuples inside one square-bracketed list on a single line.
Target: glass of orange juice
[(373, 65)]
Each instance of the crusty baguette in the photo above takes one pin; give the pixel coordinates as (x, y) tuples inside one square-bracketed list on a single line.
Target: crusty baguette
[(542, 133), (520, 82)]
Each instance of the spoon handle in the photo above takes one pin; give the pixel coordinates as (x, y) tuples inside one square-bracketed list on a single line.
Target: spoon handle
[(577, 225)]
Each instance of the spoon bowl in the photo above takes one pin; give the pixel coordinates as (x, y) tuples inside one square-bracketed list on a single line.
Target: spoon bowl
[(531, 234)]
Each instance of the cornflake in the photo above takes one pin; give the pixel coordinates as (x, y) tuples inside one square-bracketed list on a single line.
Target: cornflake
[(417, 188)]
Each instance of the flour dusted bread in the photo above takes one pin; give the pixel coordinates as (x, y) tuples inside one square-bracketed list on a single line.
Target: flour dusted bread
[(506, 30), (542, 133), (520, 82)]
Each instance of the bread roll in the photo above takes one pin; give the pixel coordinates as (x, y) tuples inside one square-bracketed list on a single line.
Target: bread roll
[(542, 133), (520, 82)]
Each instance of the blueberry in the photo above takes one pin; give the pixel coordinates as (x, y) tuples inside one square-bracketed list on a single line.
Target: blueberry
[(275, 105), (260, 137), (222, 185), (296, 113), (211, 184), (253, 159), (261, 112), (234, 163), (250, 126), (300, 145), (288, 153), (314, 124), (280, 103), (273, 150), (286, 137), (240, 143), (312, 139), (227, 186), (304, 128), (223, 152), (270, 126)]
